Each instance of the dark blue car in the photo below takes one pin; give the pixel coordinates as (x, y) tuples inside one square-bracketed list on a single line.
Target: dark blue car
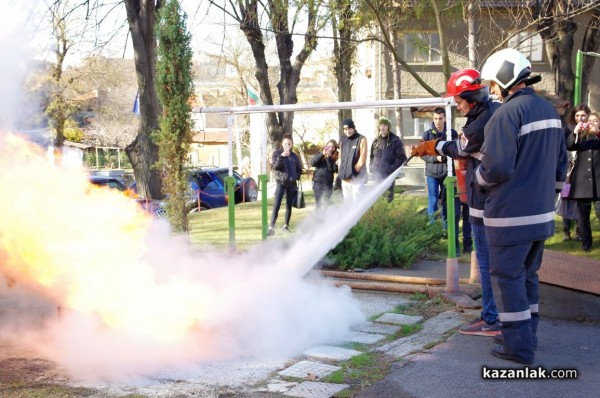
[(207, 188)]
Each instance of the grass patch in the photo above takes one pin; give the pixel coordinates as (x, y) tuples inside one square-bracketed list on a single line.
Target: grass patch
[(418, 296), (355, 346), (431, 344), (361, 371), (424, 306)]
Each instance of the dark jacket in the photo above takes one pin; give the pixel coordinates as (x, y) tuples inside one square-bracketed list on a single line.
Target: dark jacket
[(286, 169), (350, 154), (433, 167), (325, 168), (523, 164), (585, 178), (473, 130), (387, 155)]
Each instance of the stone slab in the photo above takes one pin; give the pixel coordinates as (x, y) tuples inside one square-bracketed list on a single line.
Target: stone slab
[(316, 390), (374, 327), (433, 330), (461, 300), (374, 303), (330, 353), (363, 338), (305, 369), (399, 319), (280, 386)]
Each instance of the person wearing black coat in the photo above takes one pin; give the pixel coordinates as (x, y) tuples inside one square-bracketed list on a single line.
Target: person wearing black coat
[(325, 166), (287, 169), (387, 154), (585, 177)]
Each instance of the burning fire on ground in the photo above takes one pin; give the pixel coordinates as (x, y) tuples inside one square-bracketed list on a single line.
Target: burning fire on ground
[(135, 300)]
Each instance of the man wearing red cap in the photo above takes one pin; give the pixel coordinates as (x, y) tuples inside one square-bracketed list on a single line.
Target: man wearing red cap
[(473, 102)]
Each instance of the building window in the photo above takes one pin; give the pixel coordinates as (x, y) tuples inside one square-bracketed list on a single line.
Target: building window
[(421, 48), (530, 44)]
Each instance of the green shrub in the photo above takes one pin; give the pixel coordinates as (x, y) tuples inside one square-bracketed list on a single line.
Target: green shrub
[(388, 235)]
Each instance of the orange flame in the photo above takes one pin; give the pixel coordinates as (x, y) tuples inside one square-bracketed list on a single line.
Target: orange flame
[(83, 247)]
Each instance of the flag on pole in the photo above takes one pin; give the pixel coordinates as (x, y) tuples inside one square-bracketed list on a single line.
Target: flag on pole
[(252, 95), (136, 104)]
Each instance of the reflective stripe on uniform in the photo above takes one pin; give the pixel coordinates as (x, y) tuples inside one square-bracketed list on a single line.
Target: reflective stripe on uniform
[(559, 185), (477, 155), (540, 125), (518, 221), (514, 316), (534, 308), (480, 179), (475, 212)]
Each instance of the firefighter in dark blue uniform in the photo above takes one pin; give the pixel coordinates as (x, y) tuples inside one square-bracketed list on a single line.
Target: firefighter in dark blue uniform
[(523, 165)]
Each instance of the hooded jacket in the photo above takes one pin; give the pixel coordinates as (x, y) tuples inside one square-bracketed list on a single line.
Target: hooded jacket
[(387, 155)]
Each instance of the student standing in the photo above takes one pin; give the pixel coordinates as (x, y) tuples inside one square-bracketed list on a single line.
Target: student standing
[(287, 169), (352, 168), (325, 166), (387, 154)]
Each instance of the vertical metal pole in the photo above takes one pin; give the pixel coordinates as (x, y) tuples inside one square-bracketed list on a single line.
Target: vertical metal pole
[(230, 186), (262, 182), (452, 279), (578, 72), (450, 183)]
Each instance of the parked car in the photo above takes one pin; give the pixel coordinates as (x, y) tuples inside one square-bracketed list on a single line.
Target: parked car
[(206, 189), (154, 207), (208, 185)]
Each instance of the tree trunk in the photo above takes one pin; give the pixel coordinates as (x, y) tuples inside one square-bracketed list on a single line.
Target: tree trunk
[(143, 152), (289, 74), (473, 29), (439, 18), (344, 51), (559, 42), (397, 78), (591, 43)]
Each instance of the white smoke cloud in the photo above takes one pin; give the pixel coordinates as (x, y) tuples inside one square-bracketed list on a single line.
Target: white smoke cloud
[(89, 281)]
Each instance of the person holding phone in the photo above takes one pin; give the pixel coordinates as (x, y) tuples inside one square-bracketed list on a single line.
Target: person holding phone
[(325, 166), (287, 169)]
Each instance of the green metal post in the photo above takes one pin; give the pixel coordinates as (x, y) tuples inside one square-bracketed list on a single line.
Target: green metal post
[(230, 186), (262, 186), (578, 72), (450, 215)]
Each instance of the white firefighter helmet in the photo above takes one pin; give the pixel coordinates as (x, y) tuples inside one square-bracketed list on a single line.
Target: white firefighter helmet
[(506, 67)]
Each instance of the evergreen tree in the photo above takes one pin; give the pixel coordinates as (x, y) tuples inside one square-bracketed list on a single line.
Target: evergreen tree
[(175, 88)]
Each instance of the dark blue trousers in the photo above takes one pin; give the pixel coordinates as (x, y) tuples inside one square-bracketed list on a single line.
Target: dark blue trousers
[(515, 282)]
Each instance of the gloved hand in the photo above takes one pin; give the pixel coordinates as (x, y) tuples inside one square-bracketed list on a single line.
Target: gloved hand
[(425, 148)]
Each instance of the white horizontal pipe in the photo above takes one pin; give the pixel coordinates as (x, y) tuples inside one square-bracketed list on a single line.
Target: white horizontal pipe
[(399, 103)]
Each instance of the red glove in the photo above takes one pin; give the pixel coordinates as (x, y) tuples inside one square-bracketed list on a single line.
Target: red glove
[(425, 148)]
